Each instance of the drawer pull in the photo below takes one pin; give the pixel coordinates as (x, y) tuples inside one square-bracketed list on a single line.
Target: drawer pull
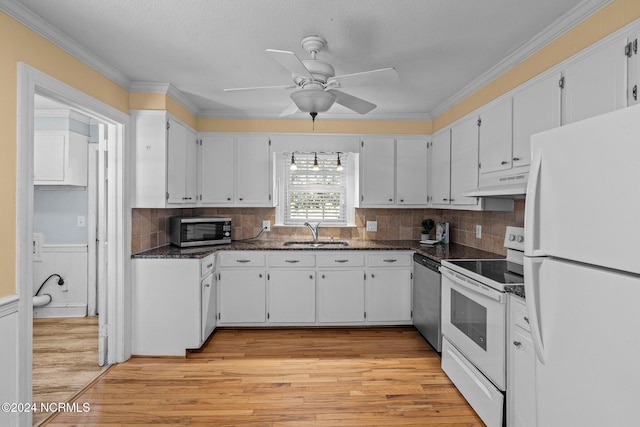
[(210, 265), (243, 261), (311, 276), (292, 261), (526, 319), (390, 260), (341, 260), (517, 344)]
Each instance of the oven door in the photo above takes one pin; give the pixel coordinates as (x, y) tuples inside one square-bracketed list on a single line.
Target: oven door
[(474, 321)]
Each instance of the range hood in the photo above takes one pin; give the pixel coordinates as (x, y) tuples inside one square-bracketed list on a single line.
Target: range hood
[(509, 186)]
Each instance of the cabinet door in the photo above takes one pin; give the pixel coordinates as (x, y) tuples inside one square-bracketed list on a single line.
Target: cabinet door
[(216, 169), (242, 296), (208, 300), (253, 171), (388, 295), (176, 163), (292, 296), (439, 168), (341, 296), (191, 167), (522, 385), (536, 108), (495, 137), (377, 162), (464, 161), (411, 171), (49, 155), (597, 83)]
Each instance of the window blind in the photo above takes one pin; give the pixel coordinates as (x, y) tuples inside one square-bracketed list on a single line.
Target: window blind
[(315, 195)]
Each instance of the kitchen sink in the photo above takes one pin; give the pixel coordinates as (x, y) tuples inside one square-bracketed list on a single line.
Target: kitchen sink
[(317, 244)]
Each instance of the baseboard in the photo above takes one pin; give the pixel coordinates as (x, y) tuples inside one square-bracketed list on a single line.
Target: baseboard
[(75, 310)]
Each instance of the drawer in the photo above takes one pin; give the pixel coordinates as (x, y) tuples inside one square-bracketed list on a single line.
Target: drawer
[(291, 259), (520, 315), (340, 259), (389, 259), (241, 259), (206, 265)]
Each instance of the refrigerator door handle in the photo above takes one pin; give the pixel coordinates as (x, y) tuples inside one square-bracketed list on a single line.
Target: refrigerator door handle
[(531, 220), (532, 291)]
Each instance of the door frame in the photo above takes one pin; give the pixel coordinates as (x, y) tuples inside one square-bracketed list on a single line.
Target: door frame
[(118, 330)]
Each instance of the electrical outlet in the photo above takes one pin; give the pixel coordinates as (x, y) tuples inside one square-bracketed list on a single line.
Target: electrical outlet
[(478, 232), (266, 225), (372, 225)]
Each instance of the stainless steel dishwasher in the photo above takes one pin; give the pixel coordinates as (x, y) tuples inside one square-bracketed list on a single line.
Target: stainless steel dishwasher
[(426, 299)]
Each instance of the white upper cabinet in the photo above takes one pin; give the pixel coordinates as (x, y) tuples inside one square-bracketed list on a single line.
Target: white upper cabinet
[(165, 161), (495, 134), (377, 163), (440, 168), (394, 171), (536, 108), (235, 170), (181, 163), (597, 83), (464, 161), (411, 171), (60, 158)]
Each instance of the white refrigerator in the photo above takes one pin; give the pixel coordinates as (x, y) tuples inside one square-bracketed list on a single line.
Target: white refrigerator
[(582, 271)]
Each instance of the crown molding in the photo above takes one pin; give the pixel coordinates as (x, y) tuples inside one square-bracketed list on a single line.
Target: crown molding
[(563, 24), (168, 89), (35, 23), (218, 114)]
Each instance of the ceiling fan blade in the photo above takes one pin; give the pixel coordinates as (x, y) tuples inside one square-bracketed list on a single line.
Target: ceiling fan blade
[(238, 89), (384, 76), (291, 62), (352, 102), (291, 109)]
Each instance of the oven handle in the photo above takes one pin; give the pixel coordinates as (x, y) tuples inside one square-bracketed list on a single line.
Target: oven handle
[(474, 286)]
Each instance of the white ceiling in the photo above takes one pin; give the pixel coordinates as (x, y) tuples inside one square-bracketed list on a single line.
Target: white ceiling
[(440, 48)]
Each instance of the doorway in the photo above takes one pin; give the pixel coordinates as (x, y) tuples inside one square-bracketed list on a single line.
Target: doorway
[(113, 296)]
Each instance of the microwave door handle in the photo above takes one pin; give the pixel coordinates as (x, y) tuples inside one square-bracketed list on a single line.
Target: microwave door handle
[(532, 291), (474, 286)]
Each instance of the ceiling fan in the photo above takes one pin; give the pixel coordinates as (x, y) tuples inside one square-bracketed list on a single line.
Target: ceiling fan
[(316, 82)]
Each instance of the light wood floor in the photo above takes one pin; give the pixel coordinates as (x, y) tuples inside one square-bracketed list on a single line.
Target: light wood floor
[(283, 377), (65, 359)]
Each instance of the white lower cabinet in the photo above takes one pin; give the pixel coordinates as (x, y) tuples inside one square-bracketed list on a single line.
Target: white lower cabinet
[(340, 296), (521, 397), (292, 296), (242, 296), (388, 296), (173, 305)]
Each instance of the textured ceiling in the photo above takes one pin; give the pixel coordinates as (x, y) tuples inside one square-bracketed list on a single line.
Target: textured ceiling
[(203, 46)]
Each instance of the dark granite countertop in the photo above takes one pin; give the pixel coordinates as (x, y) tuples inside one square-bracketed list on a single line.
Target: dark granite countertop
[(436, 252), (516, 290)]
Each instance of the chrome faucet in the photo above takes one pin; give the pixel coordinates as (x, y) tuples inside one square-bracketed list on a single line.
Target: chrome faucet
[(314, 230)]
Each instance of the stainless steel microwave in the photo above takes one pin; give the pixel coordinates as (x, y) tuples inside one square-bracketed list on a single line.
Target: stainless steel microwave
[(199, 231)]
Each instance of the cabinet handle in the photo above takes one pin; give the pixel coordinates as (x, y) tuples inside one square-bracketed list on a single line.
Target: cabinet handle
[(228, 198), (292, 261), (323, 276), (390, 260), (391, 200), (517, 344), (526, 319), (240, 199), (209, 265), (445, 199), (243, 261), (401, 200), (504, 162), (341, 260), (260, 275), (311, 276), (516, 159), (207, 285)]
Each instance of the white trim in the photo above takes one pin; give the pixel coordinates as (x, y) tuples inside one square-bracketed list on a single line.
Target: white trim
[(31, 80), (169, 89), (35, 23), (569, 20), (217, 114), (9, 305)]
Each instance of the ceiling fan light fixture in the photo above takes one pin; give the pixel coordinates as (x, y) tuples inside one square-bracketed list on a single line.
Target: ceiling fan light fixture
[(313, 100)]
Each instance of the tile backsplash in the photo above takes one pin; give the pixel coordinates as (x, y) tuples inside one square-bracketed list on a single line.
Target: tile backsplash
[(150, 227)]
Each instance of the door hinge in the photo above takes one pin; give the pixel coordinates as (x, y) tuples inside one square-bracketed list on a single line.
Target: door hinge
[(634, 92), (167, 196), (200, 197), (268, 276), (479, 121), (365, 314), (411, 314), (218, 316), (561, 82), (362, 198), (479, 165), (365, 276), (269, 197), (628, 50), (268, 316), (168, 124), (362, 143), (411, 276)]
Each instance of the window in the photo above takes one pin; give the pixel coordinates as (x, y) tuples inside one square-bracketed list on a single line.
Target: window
[(316, 195)]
